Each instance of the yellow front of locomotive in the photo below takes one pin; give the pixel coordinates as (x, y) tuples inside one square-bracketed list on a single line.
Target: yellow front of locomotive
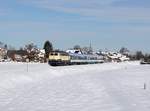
[(54, 56), (59, 58)]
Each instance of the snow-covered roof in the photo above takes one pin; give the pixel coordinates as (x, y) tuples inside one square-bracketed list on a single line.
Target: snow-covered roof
[(74, 51)]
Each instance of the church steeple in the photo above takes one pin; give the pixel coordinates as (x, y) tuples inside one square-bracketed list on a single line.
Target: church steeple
[(90, 48)]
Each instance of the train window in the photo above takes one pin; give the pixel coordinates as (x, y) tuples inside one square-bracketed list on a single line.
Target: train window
[(55, 54), (76, 51), (64, 54), (61, 54)]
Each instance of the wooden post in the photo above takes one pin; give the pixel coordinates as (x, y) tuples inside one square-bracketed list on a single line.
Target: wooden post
[(144, 86), (27, 65)]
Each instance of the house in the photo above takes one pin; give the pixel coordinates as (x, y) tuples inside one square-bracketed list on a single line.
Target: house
[(17, 55), (3, 54), (41, 55), (117, 57)]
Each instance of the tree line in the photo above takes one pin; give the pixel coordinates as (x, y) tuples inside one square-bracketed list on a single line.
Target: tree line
[(138, 55)]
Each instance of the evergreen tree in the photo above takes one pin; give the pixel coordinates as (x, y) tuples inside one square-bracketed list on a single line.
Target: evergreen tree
[(48, 47)]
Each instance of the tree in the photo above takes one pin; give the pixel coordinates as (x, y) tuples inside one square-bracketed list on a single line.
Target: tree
[(139, 55), (48, 47), (32, 51), (30, 47), (87, 50), (124, 50), (77, 47)]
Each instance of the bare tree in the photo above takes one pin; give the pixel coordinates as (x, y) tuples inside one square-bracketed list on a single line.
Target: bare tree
[(124, 51), (77, 47), (32, 51)]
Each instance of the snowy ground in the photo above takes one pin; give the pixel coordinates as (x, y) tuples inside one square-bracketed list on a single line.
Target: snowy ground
[(99, 87)]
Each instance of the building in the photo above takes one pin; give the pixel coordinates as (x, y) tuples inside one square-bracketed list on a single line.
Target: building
[(3, 54)]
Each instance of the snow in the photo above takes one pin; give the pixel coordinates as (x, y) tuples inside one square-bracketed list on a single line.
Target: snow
[(98, 87)]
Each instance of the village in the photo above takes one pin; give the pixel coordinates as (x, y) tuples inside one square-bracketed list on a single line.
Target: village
[(30, 53)]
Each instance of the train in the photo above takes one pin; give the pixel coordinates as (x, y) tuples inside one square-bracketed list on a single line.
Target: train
[(72, 57)]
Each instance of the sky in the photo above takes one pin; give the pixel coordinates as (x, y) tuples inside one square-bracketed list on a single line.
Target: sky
[(106, 24)]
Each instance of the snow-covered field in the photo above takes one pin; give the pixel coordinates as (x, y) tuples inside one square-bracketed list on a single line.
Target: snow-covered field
[(99, 87)]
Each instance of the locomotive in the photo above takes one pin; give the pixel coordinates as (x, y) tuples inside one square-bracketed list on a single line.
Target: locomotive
[(72, 57), (57, 58)]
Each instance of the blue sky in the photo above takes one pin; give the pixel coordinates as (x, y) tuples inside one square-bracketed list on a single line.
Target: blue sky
[(107, 24)]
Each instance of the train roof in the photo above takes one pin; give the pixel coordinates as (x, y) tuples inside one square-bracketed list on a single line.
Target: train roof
[(74, 51), (61, 52)]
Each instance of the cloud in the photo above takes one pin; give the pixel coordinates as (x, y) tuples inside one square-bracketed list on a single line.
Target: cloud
[(105, 9)]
